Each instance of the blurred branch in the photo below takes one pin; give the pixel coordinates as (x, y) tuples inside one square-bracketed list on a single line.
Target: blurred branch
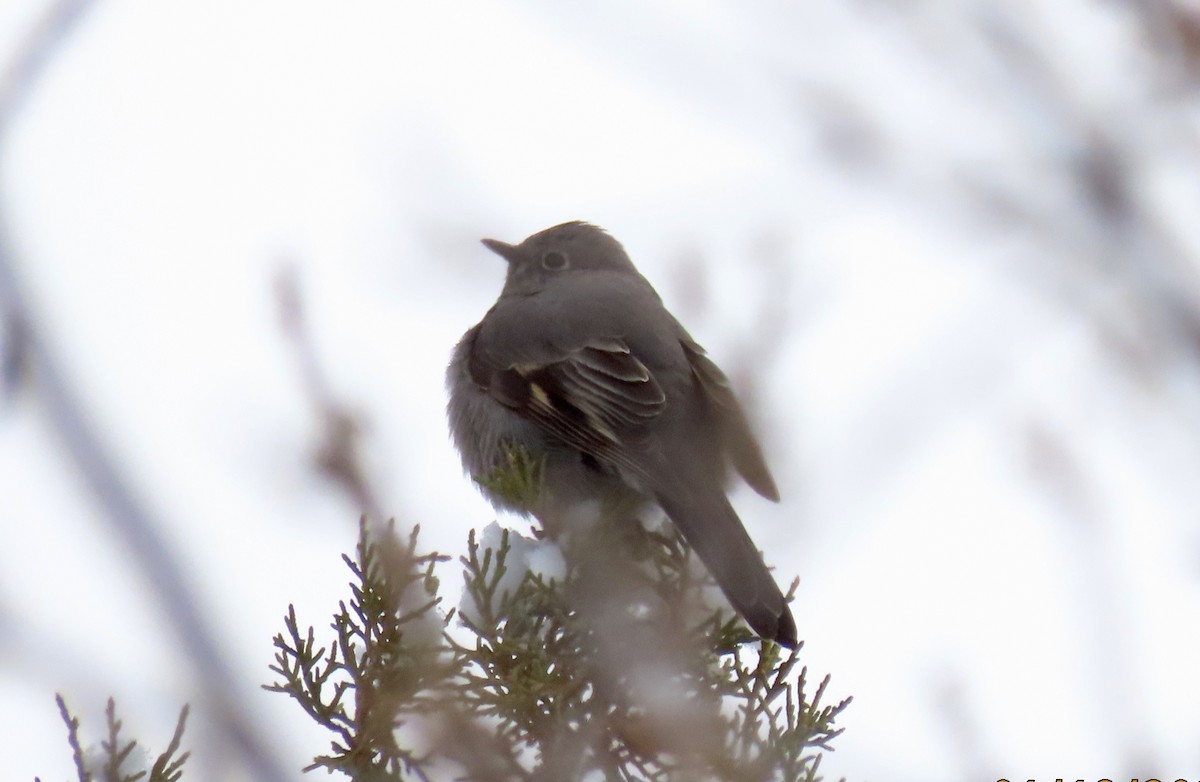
[(127, 517), (1173, 30), (1112, 235), (339, 455), (1081, 186), (958, 715), (1056, 467), (19, 78)]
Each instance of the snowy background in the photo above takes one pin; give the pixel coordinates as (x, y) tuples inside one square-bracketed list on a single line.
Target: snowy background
[(948, 250)]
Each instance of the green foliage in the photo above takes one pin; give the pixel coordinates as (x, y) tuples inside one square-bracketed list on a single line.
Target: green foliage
[(518, 481), (385, 662), (115, 759), (534, 668), (611, 667), (542, 680)]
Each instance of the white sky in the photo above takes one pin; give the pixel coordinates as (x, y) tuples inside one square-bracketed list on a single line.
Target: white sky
[(933, 376)]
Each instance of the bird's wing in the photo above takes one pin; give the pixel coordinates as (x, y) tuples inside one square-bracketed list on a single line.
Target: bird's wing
[(737, 439), (596, 397)]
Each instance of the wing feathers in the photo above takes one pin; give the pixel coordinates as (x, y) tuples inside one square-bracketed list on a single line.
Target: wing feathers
[(737, 440)]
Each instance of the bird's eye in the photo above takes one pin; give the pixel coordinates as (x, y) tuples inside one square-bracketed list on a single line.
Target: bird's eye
[(554, 261)]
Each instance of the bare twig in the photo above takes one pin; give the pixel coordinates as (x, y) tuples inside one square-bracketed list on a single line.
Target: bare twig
[(73, 738)]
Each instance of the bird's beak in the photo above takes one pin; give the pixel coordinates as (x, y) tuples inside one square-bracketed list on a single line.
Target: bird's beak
[(505, 250)]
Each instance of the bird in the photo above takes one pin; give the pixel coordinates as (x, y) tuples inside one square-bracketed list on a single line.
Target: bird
[(580, 365)]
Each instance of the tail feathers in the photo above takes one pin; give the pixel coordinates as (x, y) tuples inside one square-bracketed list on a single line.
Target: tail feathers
[(715, 533)]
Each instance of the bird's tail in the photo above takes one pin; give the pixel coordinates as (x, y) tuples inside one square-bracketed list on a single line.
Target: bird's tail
[(714, 531)]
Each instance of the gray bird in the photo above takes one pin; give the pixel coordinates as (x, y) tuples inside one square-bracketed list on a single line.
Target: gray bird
[(579, 365)]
